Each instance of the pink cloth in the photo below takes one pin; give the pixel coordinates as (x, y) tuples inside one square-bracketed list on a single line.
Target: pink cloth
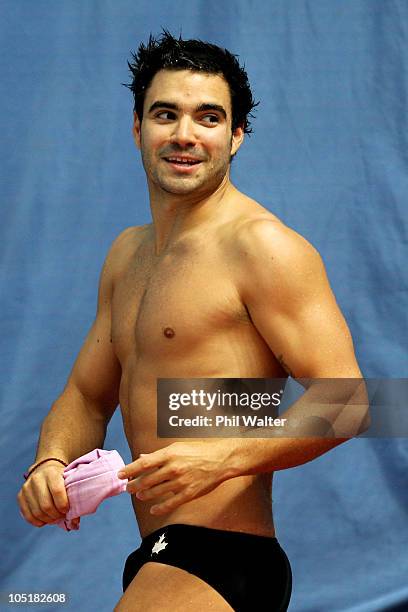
[(88, 481)]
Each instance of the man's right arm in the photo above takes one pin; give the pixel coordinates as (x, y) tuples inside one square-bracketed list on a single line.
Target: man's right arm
[(78, 419)]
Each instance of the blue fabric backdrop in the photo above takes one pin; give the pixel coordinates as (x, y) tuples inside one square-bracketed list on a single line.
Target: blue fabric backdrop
[(329, 156)]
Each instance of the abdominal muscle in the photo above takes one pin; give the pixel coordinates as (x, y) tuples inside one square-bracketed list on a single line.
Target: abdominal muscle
[(239, 504)]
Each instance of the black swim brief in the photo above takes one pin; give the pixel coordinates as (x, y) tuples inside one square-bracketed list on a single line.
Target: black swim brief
[(251, 572)]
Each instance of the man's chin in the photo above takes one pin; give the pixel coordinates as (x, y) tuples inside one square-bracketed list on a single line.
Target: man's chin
[(181, 186)]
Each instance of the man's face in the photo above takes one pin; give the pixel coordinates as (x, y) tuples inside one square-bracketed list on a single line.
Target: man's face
[(185, 136)]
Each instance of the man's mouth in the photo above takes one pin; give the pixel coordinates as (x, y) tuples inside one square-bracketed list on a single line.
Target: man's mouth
[(182, 161)]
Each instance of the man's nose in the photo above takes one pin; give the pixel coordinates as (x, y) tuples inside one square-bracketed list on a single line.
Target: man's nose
[(183, 133)]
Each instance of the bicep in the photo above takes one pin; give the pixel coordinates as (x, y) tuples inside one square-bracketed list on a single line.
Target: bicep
[(293, 308), (96, 372), (311, 341)]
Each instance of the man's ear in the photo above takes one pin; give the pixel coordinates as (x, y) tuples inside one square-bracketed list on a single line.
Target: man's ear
[(136, 130), (237, 139)]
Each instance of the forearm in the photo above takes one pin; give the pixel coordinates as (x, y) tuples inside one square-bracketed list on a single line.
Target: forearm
[(255, 456), (73, 427), (328, 414)]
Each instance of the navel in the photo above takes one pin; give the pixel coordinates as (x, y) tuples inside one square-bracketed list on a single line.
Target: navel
[(169, 332)]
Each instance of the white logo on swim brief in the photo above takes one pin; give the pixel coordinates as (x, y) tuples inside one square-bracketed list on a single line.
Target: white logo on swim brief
[(160, 544)]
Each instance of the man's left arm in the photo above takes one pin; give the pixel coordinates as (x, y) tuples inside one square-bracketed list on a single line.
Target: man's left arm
[(288, 296)]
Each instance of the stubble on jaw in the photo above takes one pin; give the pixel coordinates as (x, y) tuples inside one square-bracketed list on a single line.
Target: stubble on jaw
[(210, 179)]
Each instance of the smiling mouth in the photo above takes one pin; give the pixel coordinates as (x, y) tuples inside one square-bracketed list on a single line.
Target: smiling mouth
[(182, 162)]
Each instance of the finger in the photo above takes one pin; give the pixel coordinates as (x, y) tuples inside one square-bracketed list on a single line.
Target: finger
[(27, 514), (42, 502), (59, 497), (158, 491), (148, 480), (170, 504), (40, 512), (144, 463), (37, 500)]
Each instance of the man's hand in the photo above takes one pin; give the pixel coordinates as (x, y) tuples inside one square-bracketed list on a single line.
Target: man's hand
[(185, 469), (42, 498)]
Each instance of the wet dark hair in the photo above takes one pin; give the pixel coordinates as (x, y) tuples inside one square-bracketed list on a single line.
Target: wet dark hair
[(167, 52)]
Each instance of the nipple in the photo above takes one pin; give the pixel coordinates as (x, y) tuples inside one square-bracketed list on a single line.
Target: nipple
[(169, 332)]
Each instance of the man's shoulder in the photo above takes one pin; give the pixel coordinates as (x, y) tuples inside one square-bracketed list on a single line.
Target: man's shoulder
[(128, 240), (130, 235), (274, 259), (264, 245), (258, 232), (123, 248)]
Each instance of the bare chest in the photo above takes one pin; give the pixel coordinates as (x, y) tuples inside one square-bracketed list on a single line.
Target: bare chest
[(173, 306)]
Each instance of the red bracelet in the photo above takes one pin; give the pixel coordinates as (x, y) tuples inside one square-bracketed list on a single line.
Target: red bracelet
[(27, 474)]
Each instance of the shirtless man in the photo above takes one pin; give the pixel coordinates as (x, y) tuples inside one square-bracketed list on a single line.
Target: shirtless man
[(216, 286)]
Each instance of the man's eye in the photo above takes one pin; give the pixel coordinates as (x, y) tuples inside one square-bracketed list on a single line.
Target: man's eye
[(166, 115), (210, 119)]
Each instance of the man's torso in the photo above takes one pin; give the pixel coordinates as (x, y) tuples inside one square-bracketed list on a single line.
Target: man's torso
[(180, 315)]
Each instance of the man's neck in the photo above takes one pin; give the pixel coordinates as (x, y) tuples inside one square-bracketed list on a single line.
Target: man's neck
[(176, 215)]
